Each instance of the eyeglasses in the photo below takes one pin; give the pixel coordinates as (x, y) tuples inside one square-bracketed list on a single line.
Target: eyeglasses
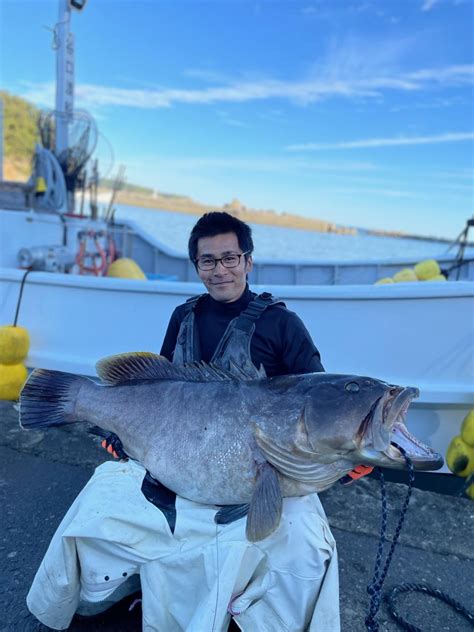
[(229, 261)]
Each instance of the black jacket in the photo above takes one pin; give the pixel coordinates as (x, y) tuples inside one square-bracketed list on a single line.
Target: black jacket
[(280, 342)]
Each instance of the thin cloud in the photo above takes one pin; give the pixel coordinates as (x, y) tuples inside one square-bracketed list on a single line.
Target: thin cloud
[(254, 165), (429, 4), (229, 120), (300, 92), (384, 142), (389, 193)]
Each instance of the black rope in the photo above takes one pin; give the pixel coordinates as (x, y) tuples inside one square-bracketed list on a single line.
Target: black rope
[(374, 589), (459, 262), (20, 296), (465, 485), (462, 242), (428, 590)]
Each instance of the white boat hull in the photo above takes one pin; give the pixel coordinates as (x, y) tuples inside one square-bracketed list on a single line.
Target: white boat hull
[(410, 334)]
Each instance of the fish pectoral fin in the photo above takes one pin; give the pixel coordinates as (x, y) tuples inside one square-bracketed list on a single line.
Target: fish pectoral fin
[(231, 513), (266, 504)]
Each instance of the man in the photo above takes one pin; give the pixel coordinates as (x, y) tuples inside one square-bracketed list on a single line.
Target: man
[(194, 573), (221, 248)]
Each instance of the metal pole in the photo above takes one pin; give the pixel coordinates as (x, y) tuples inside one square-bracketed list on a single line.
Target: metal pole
[(64, 77)]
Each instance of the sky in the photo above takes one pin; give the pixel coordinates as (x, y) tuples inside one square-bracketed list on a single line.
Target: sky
[(356, 112)]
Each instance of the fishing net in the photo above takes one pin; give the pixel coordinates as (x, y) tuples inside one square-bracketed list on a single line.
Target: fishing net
[(82, 140)]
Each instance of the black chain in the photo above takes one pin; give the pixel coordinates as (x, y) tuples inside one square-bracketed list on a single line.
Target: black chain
[(424, 588), (374, 589)]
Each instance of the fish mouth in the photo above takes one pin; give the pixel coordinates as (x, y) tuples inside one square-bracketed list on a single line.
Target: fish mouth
[(393, 436)]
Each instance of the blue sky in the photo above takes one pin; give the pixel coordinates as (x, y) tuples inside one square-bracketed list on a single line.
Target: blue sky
[(357, 112)]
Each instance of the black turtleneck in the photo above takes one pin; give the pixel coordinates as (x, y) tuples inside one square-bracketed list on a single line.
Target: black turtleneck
[(212, 318), (280, 341)]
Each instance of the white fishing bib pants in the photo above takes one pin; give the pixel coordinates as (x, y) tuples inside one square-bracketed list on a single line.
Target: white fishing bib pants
[(195, 579)]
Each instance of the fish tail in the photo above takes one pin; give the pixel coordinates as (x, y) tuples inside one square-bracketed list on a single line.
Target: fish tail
[(48, 399)]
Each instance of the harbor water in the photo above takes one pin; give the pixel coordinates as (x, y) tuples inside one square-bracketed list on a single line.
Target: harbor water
[(287, 243)]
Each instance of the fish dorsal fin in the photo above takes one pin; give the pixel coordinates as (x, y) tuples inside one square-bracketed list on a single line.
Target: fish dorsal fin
[(143, 365), (248, 372)]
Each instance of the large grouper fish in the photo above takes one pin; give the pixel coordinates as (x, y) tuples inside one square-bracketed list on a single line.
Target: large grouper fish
[(227, 437)]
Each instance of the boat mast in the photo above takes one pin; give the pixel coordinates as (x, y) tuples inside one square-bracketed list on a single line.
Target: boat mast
[(64, 72), (64, 110), (64, 77)]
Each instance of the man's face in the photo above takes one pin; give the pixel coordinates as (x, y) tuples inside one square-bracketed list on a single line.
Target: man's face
[(223, 284)]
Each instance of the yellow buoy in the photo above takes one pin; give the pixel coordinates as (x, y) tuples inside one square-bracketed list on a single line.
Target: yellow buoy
[(470, 491), (384, 281), (405, 275), (12, 378), (125, 269), (460, 457), (14, 344), (467, 429), (438, 277), (427, 269)]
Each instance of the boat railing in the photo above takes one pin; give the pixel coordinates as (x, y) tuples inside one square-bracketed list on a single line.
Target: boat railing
[(157, 258)]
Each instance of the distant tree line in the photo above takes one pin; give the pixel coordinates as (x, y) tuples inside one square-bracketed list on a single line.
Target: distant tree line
[(108, 183), (20, 130)]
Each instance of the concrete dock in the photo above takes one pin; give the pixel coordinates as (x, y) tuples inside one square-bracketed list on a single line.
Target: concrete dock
[(41, 472)]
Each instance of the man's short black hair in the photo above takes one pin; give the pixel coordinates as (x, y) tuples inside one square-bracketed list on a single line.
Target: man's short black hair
[(217, 223)]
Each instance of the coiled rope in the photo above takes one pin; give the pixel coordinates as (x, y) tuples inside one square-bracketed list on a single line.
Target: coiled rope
[(374, 589), (391, 599)]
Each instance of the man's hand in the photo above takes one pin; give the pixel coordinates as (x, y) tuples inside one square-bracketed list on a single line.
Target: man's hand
[(114, 446), (356, 473)]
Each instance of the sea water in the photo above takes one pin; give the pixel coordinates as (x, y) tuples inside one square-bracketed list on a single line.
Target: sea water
[(279, 243)]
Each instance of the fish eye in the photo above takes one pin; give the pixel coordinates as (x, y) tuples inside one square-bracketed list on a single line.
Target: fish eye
[(352, 387)]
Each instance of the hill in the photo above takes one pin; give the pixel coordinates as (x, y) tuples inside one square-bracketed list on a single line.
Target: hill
[(20, 136), (182, 204)]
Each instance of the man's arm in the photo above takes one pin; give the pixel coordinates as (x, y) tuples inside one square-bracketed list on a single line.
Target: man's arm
[(299, 352), (169, 342)]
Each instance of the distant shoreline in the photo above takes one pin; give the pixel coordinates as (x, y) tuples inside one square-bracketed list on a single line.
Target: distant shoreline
[(186, 205), (178, 204), (147, 198)]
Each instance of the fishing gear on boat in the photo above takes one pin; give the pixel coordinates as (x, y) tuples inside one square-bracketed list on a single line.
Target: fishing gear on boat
[(462, 242), (48, 181), (118, 184), (46, 258), (97, 260)]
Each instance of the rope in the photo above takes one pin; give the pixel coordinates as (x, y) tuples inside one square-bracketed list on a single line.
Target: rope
[(428, 590), (374, 589), (466, 484), (462, 243), (18, 304)]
